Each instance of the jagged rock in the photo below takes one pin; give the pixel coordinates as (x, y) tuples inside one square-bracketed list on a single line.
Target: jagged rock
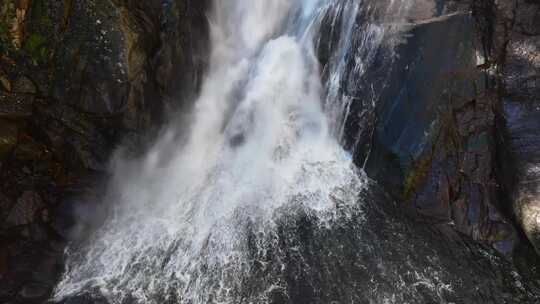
[(166, 51), (140, 23), (409, 108), (93, 78), (432, 133), (25, 210), (516, 47)]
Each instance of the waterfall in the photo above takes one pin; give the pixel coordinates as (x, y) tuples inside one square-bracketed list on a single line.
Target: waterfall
[(188, 216), (259, 201)]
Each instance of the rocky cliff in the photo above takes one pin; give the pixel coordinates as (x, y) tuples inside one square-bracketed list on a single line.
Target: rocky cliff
[(518, 41), (455, 137), (78, 78)]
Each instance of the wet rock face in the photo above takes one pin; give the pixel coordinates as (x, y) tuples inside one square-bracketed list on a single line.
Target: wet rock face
[(429, 138), (440, 141), (166, 48), (520, 84), (433, 140), (462, 149)]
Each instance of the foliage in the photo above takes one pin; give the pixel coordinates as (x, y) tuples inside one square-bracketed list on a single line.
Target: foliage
[(7, 14), (26, 31)]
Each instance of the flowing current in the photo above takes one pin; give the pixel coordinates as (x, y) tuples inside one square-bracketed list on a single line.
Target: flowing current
[(202, 220)]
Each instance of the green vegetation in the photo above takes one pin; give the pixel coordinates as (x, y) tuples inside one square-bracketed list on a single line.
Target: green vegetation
[(36, 47), (37, 28), (7, 14)]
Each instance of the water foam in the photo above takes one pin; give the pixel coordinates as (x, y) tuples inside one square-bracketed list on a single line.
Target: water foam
[(260, 142)]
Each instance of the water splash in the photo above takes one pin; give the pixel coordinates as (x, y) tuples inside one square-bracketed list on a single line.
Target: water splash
[(260, 142), (259, 204)]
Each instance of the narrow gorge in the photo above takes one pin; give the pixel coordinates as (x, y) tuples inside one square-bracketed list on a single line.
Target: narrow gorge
[(269, 151)]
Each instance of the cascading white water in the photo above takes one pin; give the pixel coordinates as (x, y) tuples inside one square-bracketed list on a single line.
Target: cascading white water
[(259, 203), (263, 138)]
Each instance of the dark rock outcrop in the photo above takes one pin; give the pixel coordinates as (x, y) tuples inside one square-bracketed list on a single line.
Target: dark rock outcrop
[(434, 138), (166, 48), (455, 136), (468, 155), (517, 38)]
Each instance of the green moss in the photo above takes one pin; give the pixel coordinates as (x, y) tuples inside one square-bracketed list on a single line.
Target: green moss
[(34, 42), (37, 44), (39, 23), (7, 14), (36, 47)]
